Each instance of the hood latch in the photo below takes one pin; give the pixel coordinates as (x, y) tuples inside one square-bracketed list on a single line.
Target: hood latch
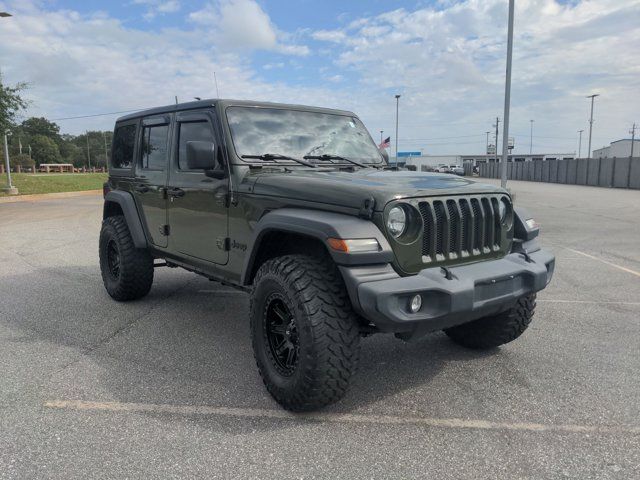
[(366, 211)]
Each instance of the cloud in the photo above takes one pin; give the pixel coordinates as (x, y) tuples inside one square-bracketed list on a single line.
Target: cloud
[(243, 24), (158, 7)]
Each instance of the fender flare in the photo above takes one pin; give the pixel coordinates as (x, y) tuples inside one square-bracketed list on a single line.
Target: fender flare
[(319, 225), (128, 206)]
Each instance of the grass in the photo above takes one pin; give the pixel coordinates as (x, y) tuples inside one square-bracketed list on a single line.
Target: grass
[(29, 183)]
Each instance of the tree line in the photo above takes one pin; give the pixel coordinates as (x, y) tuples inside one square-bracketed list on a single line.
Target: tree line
[(35, 141)]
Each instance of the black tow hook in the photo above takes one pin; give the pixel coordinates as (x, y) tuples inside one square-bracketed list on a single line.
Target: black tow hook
[(447, 273)]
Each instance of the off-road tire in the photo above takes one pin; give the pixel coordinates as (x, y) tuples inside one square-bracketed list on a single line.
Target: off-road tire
[(495, 330), (135, 274), (327, 331)]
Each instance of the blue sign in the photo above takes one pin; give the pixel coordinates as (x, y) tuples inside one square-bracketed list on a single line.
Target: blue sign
[(409, 154)]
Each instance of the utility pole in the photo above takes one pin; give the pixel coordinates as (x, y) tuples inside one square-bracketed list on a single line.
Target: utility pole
[(580, 144), (531, 139), (592, 97), (381, 132), (397, 109), (633, 137), (507, 98), (88, 151), (486, 150), (496, 126)]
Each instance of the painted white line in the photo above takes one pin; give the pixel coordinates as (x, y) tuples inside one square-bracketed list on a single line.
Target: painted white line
[(624, 269), (594, 302), (456, 423)]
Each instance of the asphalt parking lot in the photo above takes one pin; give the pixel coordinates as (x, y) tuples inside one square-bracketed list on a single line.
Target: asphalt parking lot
[(167, 386)]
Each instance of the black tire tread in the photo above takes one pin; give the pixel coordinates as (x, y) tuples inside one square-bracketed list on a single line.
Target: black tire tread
[(495, 330), (136, 265), (331, 362)]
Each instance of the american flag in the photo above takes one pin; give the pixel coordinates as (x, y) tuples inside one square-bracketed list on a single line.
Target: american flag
[(386, 143)]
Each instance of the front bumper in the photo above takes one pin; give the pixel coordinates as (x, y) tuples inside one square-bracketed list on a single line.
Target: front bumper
[(462, 294)]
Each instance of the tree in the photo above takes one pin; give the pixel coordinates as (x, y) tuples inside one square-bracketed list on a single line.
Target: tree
[(22, 159), (44, 150), (10, 104), (41, 126)]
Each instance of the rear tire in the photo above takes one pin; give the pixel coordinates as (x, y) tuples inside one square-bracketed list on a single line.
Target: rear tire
[(495, 330), (127, 271), (304, 333)]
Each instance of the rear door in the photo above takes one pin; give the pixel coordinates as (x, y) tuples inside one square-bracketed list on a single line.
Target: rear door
[(197, 203), (150, 180)]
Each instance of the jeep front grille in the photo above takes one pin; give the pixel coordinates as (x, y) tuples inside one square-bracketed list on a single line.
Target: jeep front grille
[(460, 227)]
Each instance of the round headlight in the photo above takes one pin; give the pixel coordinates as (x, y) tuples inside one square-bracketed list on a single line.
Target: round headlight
[(502, 209), (397, 221)]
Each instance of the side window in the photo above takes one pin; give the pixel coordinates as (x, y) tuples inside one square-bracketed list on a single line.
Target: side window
[(123, 143), (189, 132), (154, 147)]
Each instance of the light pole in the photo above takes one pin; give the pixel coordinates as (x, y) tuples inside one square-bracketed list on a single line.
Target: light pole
[(397, 109), (486, 151), (592, 97), (531, 139), (106, 152), (9, 189), (633, 140), (88, 151), (580, 143), (507, 98)]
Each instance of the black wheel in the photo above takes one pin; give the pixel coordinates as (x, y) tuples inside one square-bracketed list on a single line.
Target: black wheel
[(127, 272), (304, 333), (495, 330)]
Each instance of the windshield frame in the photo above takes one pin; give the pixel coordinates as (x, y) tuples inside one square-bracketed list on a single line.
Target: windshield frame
[(319, 110)]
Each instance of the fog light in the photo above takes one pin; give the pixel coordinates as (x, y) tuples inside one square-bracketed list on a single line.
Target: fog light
[(415, 304)]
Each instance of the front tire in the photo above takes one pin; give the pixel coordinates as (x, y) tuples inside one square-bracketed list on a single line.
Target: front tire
[(127, 271), (304, 333), (495, 330)]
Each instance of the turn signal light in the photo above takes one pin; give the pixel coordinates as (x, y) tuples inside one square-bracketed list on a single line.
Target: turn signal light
[(354, 245)]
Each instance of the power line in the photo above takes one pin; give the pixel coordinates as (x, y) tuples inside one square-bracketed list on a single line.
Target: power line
[(96, 115)]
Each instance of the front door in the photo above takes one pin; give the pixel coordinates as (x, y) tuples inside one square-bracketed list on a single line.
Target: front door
[(197, 203), (149, 188)]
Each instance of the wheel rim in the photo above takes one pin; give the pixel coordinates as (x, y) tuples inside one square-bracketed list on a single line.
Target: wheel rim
[(113, 259), (281, 335)]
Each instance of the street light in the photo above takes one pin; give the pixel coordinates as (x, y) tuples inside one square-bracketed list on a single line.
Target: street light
[(531, 139), (507, 99), (592, 97), (397, 107), (9, 189), (580, 143)]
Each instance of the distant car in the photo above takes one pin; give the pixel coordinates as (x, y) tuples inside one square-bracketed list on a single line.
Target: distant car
[(456, 169), (442, 168)]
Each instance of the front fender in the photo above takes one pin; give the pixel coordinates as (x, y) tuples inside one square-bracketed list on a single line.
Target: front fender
[(320, 225)]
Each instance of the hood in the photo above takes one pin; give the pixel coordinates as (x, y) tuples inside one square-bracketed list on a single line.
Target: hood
[(350, 189)]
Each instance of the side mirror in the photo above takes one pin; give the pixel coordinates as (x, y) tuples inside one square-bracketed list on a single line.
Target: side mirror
[(202, 156)]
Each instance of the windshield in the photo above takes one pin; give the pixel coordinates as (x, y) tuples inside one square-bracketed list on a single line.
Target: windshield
[(295, 133)]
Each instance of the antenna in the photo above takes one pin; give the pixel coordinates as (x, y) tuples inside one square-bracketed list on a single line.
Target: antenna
[(215, 79)]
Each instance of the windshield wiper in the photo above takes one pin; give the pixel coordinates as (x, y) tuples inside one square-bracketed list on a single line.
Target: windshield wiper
[(326, 156), (276, 157)]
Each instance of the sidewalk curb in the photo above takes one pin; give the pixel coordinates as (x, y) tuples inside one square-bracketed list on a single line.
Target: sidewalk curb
[(48, 196)]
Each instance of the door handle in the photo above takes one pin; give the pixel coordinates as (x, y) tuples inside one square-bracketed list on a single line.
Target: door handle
[(142, 188), (176, 192)]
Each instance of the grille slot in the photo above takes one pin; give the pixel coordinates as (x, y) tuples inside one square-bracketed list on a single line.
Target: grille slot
[(460, 227)]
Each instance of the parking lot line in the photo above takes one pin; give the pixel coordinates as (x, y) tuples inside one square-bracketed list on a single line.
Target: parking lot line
[(624, 269), (593, 302), (259, 413)]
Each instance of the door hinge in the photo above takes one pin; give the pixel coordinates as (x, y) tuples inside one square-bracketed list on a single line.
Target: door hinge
[(164, 230), (224, 244)]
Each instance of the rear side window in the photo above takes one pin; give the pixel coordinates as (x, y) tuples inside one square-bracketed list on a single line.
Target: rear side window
[(154, 147), (123, 142), (189, 132)]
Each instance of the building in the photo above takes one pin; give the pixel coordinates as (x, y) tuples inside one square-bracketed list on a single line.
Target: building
[(618, 149), (428, 162)]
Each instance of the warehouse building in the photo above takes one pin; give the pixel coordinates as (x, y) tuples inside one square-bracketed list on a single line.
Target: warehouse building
[(618, 149)]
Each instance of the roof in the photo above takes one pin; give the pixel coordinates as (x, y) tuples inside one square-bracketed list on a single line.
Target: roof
[(177, 107), (626, 140)]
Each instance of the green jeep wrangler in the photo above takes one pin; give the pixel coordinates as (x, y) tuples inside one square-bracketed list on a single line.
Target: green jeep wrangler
[(297, 206)]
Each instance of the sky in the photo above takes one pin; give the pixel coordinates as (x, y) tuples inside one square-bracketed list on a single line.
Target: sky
[(445, 58)]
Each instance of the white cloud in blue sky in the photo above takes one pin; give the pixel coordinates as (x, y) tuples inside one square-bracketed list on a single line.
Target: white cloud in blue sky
[(446, 58)]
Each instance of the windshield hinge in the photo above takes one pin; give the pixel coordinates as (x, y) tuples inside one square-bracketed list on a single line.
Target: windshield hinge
[(366, 211)]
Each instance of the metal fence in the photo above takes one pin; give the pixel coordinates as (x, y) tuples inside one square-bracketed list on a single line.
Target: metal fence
[(599, 172)]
